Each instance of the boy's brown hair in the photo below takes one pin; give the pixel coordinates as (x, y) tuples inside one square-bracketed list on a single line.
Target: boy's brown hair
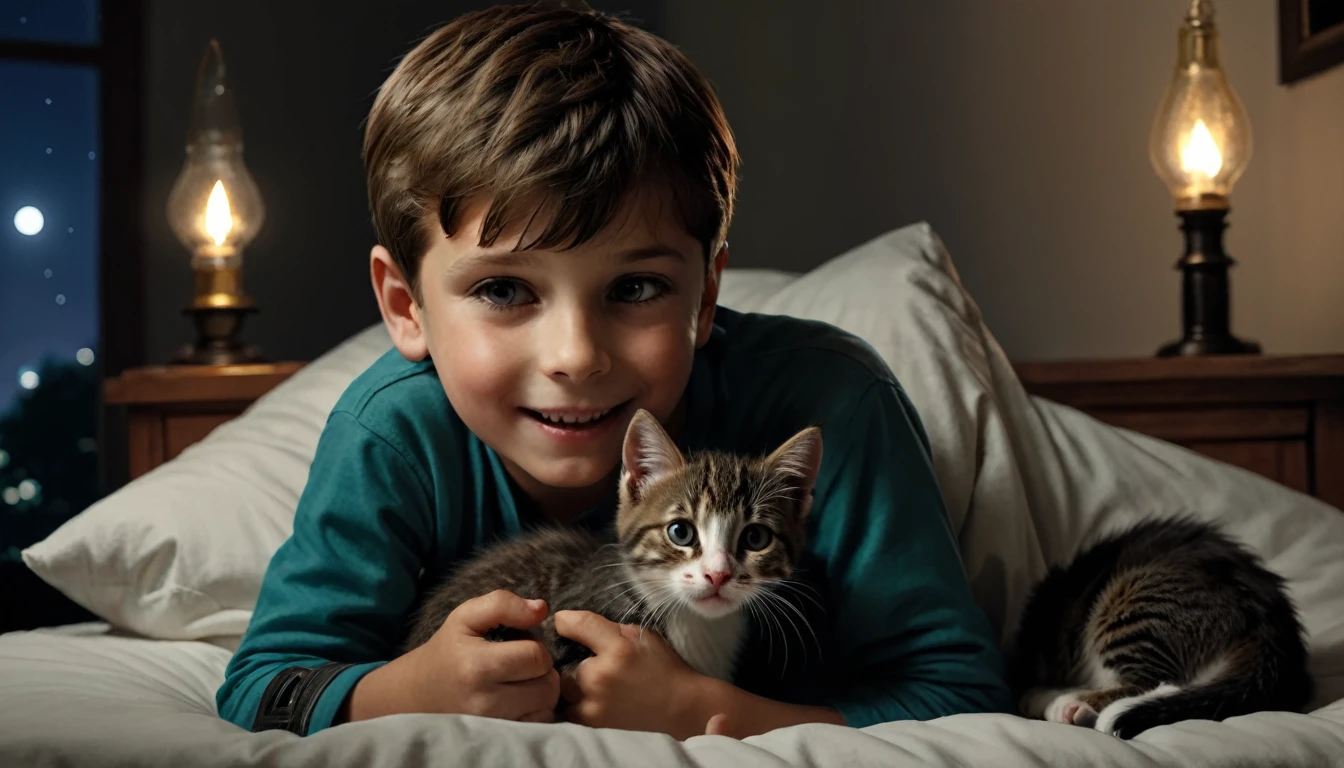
[(520, 103)]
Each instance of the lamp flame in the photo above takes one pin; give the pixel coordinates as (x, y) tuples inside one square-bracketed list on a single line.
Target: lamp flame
[(1200, 153), (218, 216)]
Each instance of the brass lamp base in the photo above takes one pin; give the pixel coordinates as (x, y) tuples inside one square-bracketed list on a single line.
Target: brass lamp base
[(218, 311), (217, 340)]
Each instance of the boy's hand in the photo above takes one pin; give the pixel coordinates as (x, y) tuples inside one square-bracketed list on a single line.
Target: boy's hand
[(470, 675), (634, 681), (460, 672)]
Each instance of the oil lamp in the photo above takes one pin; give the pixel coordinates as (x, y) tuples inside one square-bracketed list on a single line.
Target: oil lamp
[(215, 209), (1199, 145)]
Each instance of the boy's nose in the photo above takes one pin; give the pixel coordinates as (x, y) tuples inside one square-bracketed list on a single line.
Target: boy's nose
[(573, 348)]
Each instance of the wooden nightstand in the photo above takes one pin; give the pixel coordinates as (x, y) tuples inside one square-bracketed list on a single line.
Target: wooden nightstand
[(1279, 416), (171, 407)]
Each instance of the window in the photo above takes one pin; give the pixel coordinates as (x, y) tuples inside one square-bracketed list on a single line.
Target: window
[(68, 206)]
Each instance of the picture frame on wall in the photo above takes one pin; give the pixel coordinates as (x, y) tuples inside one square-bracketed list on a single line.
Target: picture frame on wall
[(1311, 38)]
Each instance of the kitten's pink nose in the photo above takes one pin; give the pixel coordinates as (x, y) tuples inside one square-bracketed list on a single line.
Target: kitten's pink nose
[(717, 578)]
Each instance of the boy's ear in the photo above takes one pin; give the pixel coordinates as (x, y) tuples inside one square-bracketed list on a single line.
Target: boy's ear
[(402, 316), (648, 454), (709, 298)]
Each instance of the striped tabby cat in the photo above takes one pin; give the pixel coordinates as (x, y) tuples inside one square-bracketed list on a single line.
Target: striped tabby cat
[(1167, 621), (696, 540)]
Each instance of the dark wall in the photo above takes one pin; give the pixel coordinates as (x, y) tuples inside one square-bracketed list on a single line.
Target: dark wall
[(305, 73), (1020, 132)]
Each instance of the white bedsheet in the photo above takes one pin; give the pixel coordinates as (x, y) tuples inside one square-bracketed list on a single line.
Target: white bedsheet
[(102, 700), (99, 699)]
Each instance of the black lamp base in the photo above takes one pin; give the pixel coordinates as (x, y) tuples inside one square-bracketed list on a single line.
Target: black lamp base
[(1205, 306), (217, 340), (1222, 345)]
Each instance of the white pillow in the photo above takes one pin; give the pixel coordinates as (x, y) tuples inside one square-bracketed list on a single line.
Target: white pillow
[(901, 293), (745, 289), (179, 552)]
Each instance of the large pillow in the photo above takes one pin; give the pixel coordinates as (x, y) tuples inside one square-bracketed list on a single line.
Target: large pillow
[(901, 293), (180, 552)]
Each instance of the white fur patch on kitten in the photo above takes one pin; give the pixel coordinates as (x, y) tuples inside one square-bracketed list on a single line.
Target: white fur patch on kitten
[(1106, 720), (709, 646)]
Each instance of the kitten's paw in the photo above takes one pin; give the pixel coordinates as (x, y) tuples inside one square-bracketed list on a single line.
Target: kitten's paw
[(1084, 715), (1058, 705), (1070, 710)]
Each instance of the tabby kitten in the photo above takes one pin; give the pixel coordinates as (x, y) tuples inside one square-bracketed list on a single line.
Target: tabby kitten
[(696, 540), (1167, 621)]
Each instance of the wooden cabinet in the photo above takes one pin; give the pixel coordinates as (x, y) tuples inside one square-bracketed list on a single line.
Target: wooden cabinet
[(1279, 416), (171, 407)]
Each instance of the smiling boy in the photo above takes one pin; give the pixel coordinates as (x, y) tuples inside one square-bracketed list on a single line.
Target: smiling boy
[(551, 190)]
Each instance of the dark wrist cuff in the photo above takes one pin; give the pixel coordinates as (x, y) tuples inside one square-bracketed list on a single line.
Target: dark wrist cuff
[(288, 702)]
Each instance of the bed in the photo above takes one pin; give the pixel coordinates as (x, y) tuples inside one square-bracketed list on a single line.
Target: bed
[(172, 562)]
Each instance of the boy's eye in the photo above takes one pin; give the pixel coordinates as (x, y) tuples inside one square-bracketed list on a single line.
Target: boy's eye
[(681, 533), (504, 292), (756, 537), (636, 290)]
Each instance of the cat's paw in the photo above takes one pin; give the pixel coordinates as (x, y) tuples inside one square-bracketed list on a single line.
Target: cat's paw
[(1069, 709), (1058, 705)]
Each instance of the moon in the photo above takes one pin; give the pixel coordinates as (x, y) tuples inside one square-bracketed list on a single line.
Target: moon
[(28, 220)]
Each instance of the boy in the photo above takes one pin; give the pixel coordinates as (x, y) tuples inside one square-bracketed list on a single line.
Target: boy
[(551, 189)]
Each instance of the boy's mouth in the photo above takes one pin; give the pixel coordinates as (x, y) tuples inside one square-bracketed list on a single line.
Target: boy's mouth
[(574, 419)]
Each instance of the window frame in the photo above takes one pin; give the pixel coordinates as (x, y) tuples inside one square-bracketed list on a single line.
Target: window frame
[(25, 600), (118, 58)]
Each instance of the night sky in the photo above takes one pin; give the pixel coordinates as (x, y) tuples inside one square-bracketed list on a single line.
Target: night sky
[(49, 159)]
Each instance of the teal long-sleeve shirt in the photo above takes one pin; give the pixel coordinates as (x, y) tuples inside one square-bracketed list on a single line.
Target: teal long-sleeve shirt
[(400, 491)]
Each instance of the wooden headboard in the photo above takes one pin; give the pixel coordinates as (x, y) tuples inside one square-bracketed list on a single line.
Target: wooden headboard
[(1282, 417)]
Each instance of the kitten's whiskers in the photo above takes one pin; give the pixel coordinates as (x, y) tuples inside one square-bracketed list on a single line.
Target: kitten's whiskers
[(654, 616), (748, 603), (780, 600), (795, 586), (773, 622)]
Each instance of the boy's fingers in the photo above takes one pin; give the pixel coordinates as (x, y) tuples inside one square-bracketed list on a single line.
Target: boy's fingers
[(517, 660), (596, 632), (569, 688), (540, 716), (501, 607), (637, 634), (521, 698), (718, 726)]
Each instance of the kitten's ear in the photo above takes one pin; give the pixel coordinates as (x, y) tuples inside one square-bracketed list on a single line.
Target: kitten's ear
[(797, 463), (648, 455)]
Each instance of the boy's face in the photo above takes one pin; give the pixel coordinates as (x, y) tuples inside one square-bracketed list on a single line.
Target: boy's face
[(546, 355)]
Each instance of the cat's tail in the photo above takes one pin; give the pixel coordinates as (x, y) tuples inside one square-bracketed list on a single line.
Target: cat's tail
[(1229, 696)]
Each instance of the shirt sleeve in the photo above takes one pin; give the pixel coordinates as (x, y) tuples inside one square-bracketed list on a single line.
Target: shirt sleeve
[(339, 589), (914, 643)]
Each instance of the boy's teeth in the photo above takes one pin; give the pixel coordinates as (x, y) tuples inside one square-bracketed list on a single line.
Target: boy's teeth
[(558, 419)]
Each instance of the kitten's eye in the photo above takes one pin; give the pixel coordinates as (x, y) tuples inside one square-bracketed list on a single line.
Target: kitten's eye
[(756, 537), (681, 533)]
